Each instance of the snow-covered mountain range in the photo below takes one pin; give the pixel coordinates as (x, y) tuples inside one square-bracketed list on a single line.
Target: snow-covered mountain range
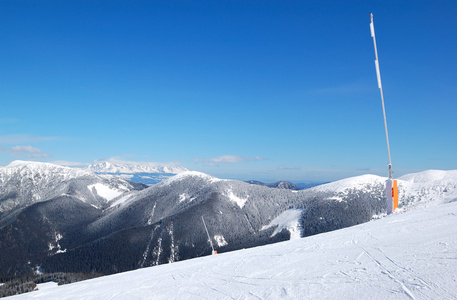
[(83, 222), (118, 166), (141, 172)]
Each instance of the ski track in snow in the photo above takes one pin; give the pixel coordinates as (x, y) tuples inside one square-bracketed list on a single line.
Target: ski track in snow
[(411, 255)]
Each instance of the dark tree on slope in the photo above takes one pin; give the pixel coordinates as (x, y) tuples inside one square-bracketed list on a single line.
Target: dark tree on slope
[(354, 208)]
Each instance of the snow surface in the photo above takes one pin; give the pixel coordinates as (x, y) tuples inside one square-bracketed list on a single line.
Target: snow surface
[(105, 191), (220, 240), (289, 219), (45, 287), (343, 185), (234, 198), (434, 186), (185, 197), (123, 200), (409, 255)]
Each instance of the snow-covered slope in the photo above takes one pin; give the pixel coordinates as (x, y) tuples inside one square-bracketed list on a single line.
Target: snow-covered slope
[(416, 189), (407, 255), (342, 188), (428, 188)]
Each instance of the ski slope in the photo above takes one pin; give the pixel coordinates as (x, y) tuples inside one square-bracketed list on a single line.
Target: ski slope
[(407, 255)]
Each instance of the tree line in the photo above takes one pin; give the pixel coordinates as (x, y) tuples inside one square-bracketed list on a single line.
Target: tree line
[(14, 285)]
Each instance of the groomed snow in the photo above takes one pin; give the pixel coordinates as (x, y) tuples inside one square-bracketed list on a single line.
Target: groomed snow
[(409, 255)]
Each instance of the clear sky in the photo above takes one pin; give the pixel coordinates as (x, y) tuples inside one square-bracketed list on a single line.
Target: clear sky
[(262, 90)]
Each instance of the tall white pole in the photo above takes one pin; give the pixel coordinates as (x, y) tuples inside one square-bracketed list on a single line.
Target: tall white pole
[(378, 74), (207, 233), (391, 184)]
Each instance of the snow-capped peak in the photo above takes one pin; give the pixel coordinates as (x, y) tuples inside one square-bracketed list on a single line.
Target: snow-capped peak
[(34, 164), (188, 174), (42, 168), (430, 176), (350, 183), (113, 166), (17, 163), (429, 187)]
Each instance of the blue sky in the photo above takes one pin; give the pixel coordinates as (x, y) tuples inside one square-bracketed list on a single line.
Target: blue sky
[(263, 90)]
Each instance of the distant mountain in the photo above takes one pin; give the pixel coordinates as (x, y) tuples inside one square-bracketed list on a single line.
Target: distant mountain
[(25, 183), (68, 231), (39, 202), (278, 185), (140, 172), (120, 166), (307, 185)]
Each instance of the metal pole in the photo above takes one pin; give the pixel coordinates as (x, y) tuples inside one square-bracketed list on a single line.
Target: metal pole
[(378, 74), (207, 233)]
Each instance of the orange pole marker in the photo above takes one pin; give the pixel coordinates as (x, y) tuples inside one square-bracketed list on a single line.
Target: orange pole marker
[(395, 194)]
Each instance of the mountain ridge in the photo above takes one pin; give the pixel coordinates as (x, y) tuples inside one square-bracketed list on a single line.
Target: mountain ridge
[(278, 184), (162, 223), (25, 183)]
